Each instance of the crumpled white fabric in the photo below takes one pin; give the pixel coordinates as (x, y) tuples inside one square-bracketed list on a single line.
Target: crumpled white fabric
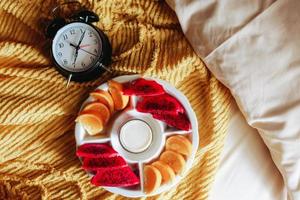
[(246, 170), (253, 47)]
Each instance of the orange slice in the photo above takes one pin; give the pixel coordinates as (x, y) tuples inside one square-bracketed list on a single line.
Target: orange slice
[(91, 121), (120, 100), (179, 144), (152, 179), (99, 107), (115, 84), (174, 160), (103, 97), (166, 171)]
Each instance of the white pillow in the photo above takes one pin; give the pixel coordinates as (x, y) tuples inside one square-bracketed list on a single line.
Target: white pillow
[(253, 47)]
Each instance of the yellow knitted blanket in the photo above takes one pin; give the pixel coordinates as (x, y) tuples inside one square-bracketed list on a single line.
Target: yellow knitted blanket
[(37, 111)]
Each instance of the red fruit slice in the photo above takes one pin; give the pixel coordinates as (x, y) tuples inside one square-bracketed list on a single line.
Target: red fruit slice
[(143, 87), (179, 120), (115, 177), (91, 150), (97, 163), (162, 104)]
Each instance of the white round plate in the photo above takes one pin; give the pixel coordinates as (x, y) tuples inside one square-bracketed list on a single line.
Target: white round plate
[(160, 133)]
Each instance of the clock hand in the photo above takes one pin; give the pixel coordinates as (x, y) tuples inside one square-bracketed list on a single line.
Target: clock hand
[(80, 40), (77, 47), (88, 52), (85, 45), (75, 57), (72, 45), (101, 65)]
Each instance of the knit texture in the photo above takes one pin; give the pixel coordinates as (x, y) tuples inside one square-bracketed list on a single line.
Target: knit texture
[(37, 111)]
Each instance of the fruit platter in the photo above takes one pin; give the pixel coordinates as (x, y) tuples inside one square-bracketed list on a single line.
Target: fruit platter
[(136, 136)]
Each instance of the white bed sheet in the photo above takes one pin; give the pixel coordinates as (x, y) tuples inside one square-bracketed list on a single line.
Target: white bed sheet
[(246, 171)]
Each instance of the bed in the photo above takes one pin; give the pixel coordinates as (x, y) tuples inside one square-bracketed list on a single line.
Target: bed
[(252, 47), (246, 170), (37, 110), (38, 158)]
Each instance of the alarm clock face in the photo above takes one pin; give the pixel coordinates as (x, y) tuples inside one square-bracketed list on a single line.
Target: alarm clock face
[(77, 47)]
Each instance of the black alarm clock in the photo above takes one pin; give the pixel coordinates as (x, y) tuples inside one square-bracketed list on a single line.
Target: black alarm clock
[(80, 50)]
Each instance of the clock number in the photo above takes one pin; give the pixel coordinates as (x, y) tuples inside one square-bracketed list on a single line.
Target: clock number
[(65, 61), (72, 31), (61, 45), (83, 64), (59, 54), (92, 58), (90, 34), (95, 51), (81, 30), (65, 36)]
